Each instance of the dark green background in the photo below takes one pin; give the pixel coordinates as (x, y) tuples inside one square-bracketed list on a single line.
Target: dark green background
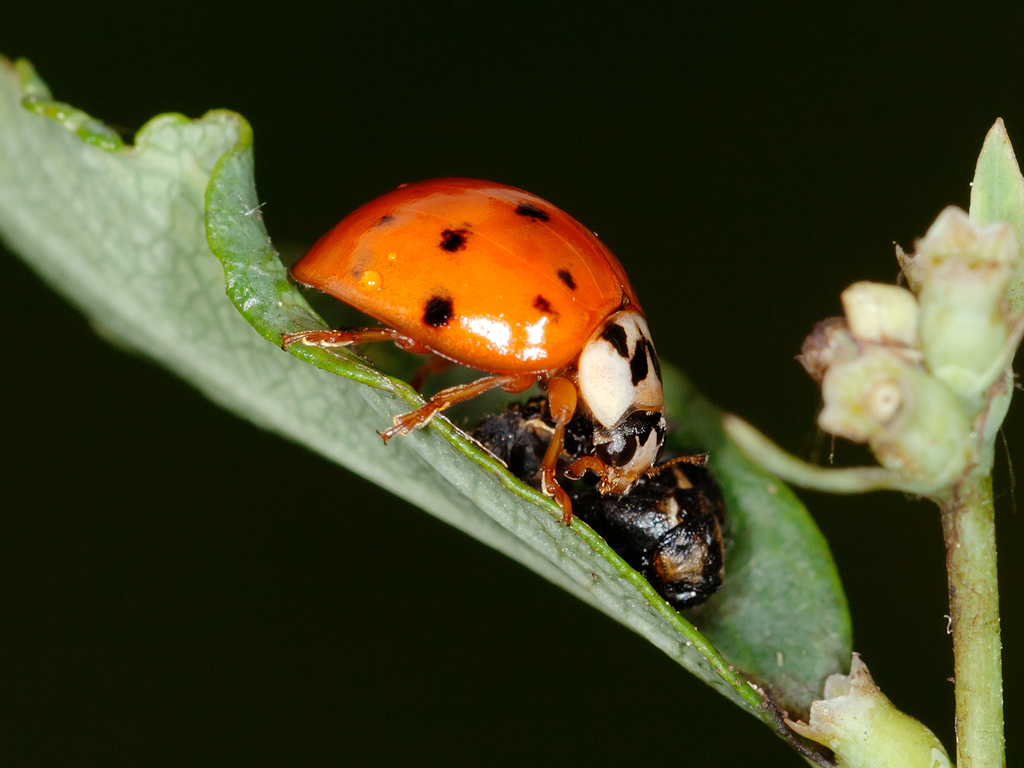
[(165, 598)]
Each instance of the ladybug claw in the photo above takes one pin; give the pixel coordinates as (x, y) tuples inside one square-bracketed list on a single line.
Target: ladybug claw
[(550, 486), (400, 428), (287, 339), (407, 422), (317, 339)]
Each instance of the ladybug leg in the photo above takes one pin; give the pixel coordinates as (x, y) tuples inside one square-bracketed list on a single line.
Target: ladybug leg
[(548, 475), (576, 470), (407, 422), (346, 338), (434, 365), (697, 459), (562, 405)]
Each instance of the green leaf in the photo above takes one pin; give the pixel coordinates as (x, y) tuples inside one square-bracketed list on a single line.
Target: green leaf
[(122, 232), (997, 194)]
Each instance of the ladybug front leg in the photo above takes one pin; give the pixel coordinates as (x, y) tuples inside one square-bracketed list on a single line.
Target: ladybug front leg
[(407, 422), (613, 478), (549, 477), (582, 465), (562, 405)]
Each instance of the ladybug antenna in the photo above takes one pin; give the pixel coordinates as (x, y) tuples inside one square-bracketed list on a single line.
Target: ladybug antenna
[(625, 298), (697, 459)]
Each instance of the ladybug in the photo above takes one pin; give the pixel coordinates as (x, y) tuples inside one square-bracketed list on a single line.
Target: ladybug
[(496, 279)]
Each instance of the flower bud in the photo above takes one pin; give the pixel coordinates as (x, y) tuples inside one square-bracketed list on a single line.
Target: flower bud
[(829, 342), (961, 272), (857, 722), (912, 422), (881, 314)]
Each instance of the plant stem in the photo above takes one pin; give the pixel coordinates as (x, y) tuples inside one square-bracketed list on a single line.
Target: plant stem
[(968, 524)]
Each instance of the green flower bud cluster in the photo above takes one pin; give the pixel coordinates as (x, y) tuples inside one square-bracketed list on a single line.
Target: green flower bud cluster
[(923, 376), (912, 372)]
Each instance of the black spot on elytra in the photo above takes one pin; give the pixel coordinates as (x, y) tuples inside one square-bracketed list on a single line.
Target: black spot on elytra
[(453, 240), (615, 335), (638, 363), (437, 312), (535, 213), (384, 220), (543, 305), (566, 277)]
